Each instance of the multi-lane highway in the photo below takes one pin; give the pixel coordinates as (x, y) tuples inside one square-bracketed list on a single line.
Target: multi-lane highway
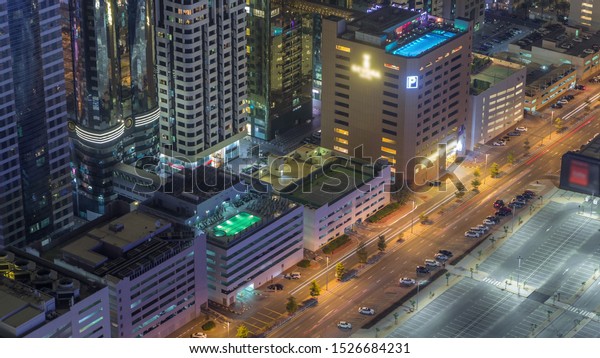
[(378, 287)]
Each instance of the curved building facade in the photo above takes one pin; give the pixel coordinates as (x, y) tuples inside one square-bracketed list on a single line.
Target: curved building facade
[(112, 93)]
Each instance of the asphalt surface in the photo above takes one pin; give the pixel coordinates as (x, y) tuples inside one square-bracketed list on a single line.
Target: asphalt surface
[(559, 250)]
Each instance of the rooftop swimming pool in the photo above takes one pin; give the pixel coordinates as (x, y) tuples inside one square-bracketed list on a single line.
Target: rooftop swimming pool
[(236, 224), (424, 43)]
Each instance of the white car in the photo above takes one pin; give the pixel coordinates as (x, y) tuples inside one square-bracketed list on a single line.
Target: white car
[(472, 234), (483, 227), (563, 101), (407, 281), (344, 325), (521, 129), (366, 310), (441, 257), (499, 143), (489, 222), (431, 263), (199, 335), (478, 230)]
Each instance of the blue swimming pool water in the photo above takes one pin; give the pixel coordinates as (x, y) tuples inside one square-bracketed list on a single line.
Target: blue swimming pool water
[(424, 43)]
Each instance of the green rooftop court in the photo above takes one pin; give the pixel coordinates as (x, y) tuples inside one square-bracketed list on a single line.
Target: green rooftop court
[(235, 224)]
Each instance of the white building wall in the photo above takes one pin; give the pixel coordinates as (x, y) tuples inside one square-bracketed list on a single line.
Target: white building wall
[(330, 221), (255, 259)]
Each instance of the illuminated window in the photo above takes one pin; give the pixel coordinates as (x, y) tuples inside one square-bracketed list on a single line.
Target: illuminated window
[(393, 67), (247, 31), (341, 140), (387, 140), (342, 48), (340, 149), (341, 131), (388, 150)]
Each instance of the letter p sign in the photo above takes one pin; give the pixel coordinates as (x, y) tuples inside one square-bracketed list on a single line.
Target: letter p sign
[(412, 82)]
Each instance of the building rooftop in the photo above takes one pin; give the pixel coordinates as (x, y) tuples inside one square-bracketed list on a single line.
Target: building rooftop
[(540, 78), (125, 246), (383, 21), (331, 183), (559, 38), (34, 291), (199, 184), (487, 71), (592, 148)]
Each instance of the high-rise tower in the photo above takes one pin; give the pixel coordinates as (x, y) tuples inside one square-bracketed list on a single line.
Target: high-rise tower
[(35, 199), (201, 73), (112, 93)]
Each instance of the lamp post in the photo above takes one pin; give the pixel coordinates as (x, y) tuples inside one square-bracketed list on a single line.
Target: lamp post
[(485, 168), (327, 274), (227, 328), (418, 287), (518, 272), (412, 219), (551, 123)]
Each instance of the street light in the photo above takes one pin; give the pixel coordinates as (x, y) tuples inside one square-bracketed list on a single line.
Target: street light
[(227, 328), (485, 168), (419, 283), (518, 272), (551, 123), (327, 274), (412, 220)]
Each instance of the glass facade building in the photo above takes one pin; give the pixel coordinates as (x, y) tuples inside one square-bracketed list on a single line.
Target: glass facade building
[(35, 200), (112, 93)]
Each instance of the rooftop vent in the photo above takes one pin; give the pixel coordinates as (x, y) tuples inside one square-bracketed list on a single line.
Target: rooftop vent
[(116, 227)]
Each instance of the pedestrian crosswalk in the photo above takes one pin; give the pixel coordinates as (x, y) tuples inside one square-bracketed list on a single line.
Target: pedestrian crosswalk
[(581, 312), (493, 282)]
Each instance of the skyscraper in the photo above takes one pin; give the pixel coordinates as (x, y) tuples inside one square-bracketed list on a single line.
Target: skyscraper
[(201, 73), (35, 199), (583, 13), (113, 104)]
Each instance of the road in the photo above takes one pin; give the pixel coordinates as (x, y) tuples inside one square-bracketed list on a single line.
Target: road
[(378, 288), (515, 292)]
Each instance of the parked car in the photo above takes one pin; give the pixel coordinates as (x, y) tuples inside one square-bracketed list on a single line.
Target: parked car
[(489, 222), (514, 134), (499, 143), (422, 269), (407, 281), (503, 211), (493, 218), (520, 202), (431, 263), (580, 87), (563, 101), (483, 227), (515, 205), (477, 230), (199, 335), (521, 129), (522, 198), (344, 325), (441, 257), (498, 204), (557, 105), (275, 287), (366, 310), (472, 234), (446, 252)]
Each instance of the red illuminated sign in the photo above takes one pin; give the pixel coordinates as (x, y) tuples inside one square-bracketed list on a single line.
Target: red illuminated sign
[(579, 173)]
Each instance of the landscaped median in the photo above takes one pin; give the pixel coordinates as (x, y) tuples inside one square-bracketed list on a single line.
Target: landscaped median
[(385, 211), (335, 243)]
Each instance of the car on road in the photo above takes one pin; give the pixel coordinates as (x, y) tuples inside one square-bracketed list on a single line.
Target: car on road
[(366, 310), (503, 211), (407, 281), (489, 222), (499, 143), (431, 263), (521, 129), (344, 325), (515, 205), (471, 233), (446, 252), (199, 335), (275, 287), (514, 134), (498, 204), (483, 227), (441, 257), (422, 269)]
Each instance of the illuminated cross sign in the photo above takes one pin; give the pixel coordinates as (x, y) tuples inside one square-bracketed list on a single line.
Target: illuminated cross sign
[(412, 82), (365, 71)]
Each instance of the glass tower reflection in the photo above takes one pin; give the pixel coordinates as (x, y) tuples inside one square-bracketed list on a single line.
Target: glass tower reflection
[(112, 95)]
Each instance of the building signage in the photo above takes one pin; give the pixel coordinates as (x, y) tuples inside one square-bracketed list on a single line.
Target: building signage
[(365, 71), (412, 82)]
